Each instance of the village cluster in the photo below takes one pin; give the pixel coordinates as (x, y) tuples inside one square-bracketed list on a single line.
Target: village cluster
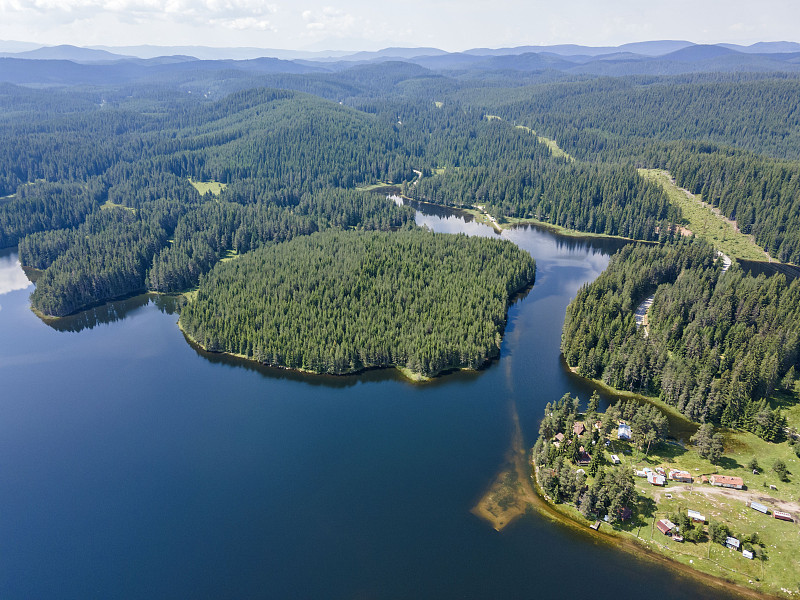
[(659, 477), (669, 528)]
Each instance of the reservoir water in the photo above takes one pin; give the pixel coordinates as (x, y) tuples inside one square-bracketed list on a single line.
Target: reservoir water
[(135, 466)]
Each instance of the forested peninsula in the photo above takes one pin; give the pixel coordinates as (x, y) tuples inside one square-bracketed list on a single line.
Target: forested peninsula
[(340, 302), (718, 344)]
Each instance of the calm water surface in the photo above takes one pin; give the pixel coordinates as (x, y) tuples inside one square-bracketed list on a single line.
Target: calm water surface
[(134, 466)]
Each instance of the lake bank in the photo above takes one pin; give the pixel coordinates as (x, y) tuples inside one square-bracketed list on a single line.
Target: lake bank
[(407, 373), (647, 551)]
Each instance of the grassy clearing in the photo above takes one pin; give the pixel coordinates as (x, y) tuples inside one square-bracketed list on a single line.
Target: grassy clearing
[(203, 187), (229, 255), (109, 205), (551, 144), (373, 186), (704, 222)]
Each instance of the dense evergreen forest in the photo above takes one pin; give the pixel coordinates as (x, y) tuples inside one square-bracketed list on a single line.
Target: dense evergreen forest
[(96, 190), (733, 139), (719, 343), (342, 301)]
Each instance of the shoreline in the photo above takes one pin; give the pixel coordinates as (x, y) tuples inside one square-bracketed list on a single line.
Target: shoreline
[(673, 415), (409, 375), (631, 544)]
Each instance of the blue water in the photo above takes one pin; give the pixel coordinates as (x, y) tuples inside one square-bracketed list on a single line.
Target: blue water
[(135, 466)]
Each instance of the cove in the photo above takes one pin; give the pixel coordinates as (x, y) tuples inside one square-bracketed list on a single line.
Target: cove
[(136, 466)]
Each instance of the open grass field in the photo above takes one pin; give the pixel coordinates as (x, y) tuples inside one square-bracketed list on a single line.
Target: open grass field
[(704, 222), (203, 187), (551, 144), (108, 205), (780, 571)]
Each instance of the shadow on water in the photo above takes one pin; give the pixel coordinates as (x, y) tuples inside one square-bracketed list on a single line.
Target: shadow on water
[(374, 375), (437, 210), (112, 311)]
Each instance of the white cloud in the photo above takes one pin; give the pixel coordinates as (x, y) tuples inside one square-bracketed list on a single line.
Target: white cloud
[(235, 14), (331, 20)]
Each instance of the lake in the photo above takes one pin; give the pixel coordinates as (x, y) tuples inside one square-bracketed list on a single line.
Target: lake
[(136, 466)]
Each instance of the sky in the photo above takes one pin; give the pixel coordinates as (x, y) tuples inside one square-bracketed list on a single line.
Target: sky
[(451, 25)]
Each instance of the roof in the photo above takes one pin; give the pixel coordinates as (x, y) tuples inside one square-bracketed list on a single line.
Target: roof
[(559, 437), (578, 428), (732, 541), (663, 527), (726, 480), (693, 514), (759, 507)]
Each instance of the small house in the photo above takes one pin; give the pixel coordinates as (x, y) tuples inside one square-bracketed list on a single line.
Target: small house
[(747, 554), (665, 526), (727, 481), (615, 459), (583, 457), (624, 432), (682, 476), (759, 507), (732, 543), (696, 516), (558, 439), (656, 479), (703, 479), (661, 471), (640, 473), (677, 537), (578, 428), (783, 516)]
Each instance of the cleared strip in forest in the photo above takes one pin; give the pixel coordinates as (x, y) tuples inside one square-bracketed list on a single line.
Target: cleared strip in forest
[(551, 144), (641, 313), (707, 222)]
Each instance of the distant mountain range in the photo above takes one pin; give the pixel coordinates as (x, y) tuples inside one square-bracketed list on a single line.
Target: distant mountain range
[(67, 65)]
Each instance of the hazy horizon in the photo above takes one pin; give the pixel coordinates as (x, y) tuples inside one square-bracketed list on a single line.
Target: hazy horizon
[(355, 25)]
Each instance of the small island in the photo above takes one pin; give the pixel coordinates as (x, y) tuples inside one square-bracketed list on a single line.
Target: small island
[(340, 302), (721, 504)]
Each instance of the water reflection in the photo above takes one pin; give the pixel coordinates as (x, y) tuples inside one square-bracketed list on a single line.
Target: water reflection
[(12, 277), (113, 311)]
